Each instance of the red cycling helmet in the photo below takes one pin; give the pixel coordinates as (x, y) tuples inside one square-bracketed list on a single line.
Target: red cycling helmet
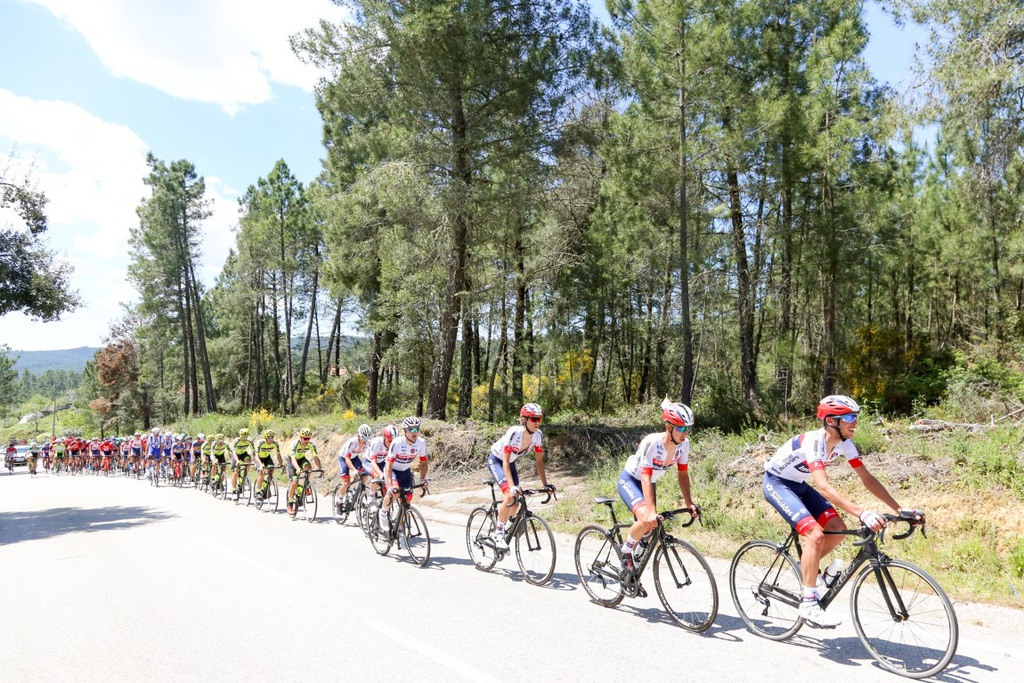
[(836, 405), (531, 410), (678, 414)]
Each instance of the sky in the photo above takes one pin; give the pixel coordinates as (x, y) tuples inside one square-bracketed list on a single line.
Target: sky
[(87, 89)]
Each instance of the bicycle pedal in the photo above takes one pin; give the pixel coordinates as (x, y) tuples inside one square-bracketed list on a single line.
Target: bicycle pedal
[(640, 591)]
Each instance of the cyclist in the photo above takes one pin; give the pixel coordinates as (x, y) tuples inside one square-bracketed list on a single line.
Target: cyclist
[(502, 463), (302, 451), (106, 454), (377, 453), (197, 455), (349, 460), (398, 470), (269, 453), (59, 453), (810, 510), (219, 459), (242, 453), (12, 450), (656, 453), (33, 454)]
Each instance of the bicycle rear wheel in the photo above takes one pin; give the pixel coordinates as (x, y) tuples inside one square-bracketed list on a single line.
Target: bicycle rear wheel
[(535, 550), (686, 585), (598, 565), (413, 535), (362, 505), (479, 530), (379, 536), (766, 588), (904, 619)]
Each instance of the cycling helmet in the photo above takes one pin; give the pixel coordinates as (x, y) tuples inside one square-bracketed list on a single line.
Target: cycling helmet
[(243, 433), (219, 437), (201, 437), (836, 405), (156, 430), (365, 432), (411, 422), (306, 433), (677, 414), (531, 410), (268, 434), (389, 433), (138, 433)]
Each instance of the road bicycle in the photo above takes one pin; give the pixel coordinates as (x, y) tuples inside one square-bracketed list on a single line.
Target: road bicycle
[(218, 479), (405, 526), (243, 489), (267, 496), (901, 614), (682, 577), (355, 500), (305, 496), (530, 533)]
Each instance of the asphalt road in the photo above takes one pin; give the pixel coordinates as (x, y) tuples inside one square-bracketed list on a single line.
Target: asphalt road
[(113, 580)]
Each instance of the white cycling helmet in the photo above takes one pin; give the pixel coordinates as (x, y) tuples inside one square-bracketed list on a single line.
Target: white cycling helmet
[(365, 432), (411, 422)]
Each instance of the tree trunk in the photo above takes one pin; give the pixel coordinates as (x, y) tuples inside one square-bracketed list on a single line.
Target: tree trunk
[(686, 390)]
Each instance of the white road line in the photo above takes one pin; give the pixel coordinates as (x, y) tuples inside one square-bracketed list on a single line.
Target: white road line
[(255, 564), (459, 667)]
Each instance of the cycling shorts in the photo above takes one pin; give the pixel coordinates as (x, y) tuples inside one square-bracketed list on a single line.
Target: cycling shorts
[(267, 462), (631, 491), (498, 472), (403, 480), (798, 502), (357, 463)]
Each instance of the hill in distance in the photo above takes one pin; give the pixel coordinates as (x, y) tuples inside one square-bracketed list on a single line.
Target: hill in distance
[(38, 362)]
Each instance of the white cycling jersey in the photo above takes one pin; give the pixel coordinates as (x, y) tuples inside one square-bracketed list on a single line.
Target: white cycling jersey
[(806, 452), (512, 443), (651, 457), (376, 451), (351, 449), (403, 454)]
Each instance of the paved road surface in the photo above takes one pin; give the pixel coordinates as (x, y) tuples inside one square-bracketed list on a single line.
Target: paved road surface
[(112, 580)]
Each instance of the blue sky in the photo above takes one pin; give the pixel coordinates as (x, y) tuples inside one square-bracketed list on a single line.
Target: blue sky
[(87, 88)]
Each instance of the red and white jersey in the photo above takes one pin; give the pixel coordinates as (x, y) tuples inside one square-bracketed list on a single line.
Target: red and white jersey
[(352, 448), (403, 454), (376, 451), (512, 443), (805, 453), (651, 457)]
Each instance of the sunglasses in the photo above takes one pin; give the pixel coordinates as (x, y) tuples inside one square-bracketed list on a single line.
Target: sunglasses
[(305, 438), (413, 430), (849, 417), (683, 429), (534, 419)]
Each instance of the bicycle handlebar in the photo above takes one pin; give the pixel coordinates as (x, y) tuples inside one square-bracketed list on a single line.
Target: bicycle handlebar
[(522, 493), (694, 516)]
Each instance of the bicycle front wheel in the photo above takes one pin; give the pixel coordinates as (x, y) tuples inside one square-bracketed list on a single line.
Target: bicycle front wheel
[(535, 550), (599, 566), (380, 536), (414, 537), (479, 543), (339, 504), (686, 585), (904, 619), (308, 507), (766, 588)]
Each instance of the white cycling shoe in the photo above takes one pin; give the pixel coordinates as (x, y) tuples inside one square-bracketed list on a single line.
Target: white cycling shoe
[(499, 540), (810, 611)]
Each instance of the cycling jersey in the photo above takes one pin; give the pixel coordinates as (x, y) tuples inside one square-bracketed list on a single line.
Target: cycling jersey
[(243, 448), (512, 443), (267, 450), (650, 458), (376, 451), (219, 449), (402, 454), (805, 453), (197, 449), (302, 451)]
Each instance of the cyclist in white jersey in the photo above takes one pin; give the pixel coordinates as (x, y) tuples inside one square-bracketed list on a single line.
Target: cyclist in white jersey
[(501, 461), (654, 456), (349, 460), (398, 470), (812, 511)]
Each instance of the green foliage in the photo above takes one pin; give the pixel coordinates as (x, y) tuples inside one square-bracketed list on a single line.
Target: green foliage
[(1016, 560)]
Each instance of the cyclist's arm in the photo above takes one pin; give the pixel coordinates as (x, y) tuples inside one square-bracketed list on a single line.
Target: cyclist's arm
[(876, 488), (539, 457), (684, 486), (423, 469), (832, 495)]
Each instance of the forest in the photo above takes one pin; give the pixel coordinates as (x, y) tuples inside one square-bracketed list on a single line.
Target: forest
[(711, 200)]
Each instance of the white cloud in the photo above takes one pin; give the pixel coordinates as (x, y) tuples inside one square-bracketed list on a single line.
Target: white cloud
[(224, 52), (92, 173), (219, 229)]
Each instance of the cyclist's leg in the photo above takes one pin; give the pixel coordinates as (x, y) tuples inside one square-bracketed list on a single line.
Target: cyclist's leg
[(497, 470), (631, 493)]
